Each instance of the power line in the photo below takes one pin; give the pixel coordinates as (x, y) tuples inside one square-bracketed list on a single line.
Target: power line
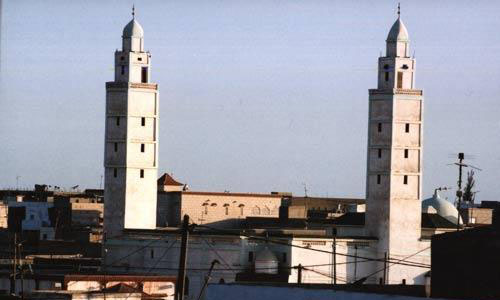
[(413, 264), (384, 268)]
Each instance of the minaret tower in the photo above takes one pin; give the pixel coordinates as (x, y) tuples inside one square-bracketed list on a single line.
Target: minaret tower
[(394, 171), (131, 138)]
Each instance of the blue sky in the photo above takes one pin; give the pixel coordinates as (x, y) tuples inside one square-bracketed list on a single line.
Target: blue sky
[(255, 96)]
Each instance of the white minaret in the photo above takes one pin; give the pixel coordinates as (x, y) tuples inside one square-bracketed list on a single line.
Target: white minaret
[(394, 171), (131, 138)]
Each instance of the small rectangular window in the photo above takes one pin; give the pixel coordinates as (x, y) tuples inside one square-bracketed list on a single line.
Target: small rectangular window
[(143, 121), (116, 147), (123, 70), (407, 127), (378, 178), (139, 58), (379, 153), (152, 253), (115, 172), (117, 121), (142, 173), (386, 76), (143, 147), (227, 210), (405, 179), (406, 153), (400, 80), (284, 257), (144, 75), (379, 127), (250, 256)]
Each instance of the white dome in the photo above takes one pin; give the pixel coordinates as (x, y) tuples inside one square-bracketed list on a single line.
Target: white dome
[(133, 29), (442, 207), (398, 32), (266, 262)]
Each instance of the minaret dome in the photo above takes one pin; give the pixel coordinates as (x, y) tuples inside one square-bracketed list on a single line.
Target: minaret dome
[(133, 29), (133, 36), (398, 44), (398, 32)]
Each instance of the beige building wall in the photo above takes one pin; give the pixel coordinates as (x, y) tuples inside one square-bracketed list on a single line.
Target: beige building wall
[(218, 209), (87, 214), (4, 215)]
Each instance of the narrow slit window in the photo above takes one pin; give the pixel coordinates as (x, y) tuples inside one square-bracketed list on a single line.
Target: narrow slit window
[(379, 127), (400, 80), (406, 153), (117, 121), (227, 210), (152, 254), (144, 75), (143, 121), (284, 257), (378, 178), (379, 153), (115, 172), (143, 147), (405, 179), (116, 147), (407, 127), (123, 70), (142, 173), (250, 256), (386, 76)]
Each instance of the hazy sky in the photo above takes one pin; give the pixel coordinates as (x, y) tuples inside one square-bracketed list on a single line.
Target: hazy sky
[(255, 96)]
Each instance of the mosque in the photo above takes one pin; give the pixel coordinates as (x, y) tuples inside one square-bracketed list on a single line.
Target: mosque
[(390, 245)]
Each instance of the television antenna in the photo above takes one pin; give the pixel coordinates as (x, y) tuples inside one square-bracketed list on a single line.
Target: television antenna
[(461, 165)]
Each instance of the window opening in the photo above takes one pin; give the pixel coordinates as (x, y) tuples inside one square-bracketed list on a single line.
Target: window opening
[(144, 75), (400, 80)]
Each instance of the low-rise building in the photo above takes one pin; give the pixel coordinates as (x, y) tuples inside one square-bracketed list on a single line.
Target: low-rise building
[(465, 263)]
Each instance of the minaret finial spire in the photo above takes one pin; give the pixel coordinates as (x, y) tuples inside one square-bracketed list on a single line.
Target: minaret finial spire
[(133, 11), (399, 10)]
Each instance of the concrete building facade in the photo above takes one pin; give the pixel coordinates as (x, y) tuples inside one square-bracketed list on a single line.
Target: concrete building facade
[(131, 138), (394, 163)]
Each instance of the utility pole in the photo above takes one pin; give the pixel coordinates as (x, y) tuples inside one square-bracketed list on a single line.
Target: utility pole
[(181, 277), (461, 165), (335, 259), (355, 261), (459, 191), (385, 268), (21, 269), (14, 265), (299, 275)]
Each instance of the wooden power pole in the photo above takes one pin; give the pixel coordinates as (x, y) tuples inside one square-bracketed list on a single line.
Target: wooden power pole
[(181, 277)]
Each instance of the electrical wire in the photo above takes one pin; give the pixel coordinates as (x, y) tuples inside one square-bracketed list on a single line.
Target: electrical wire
[(412, 264)]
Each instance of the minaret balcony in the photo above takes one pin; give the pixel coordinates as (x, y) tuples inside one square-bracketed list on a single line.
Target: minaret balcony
[(396, 92), (125, 85)]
